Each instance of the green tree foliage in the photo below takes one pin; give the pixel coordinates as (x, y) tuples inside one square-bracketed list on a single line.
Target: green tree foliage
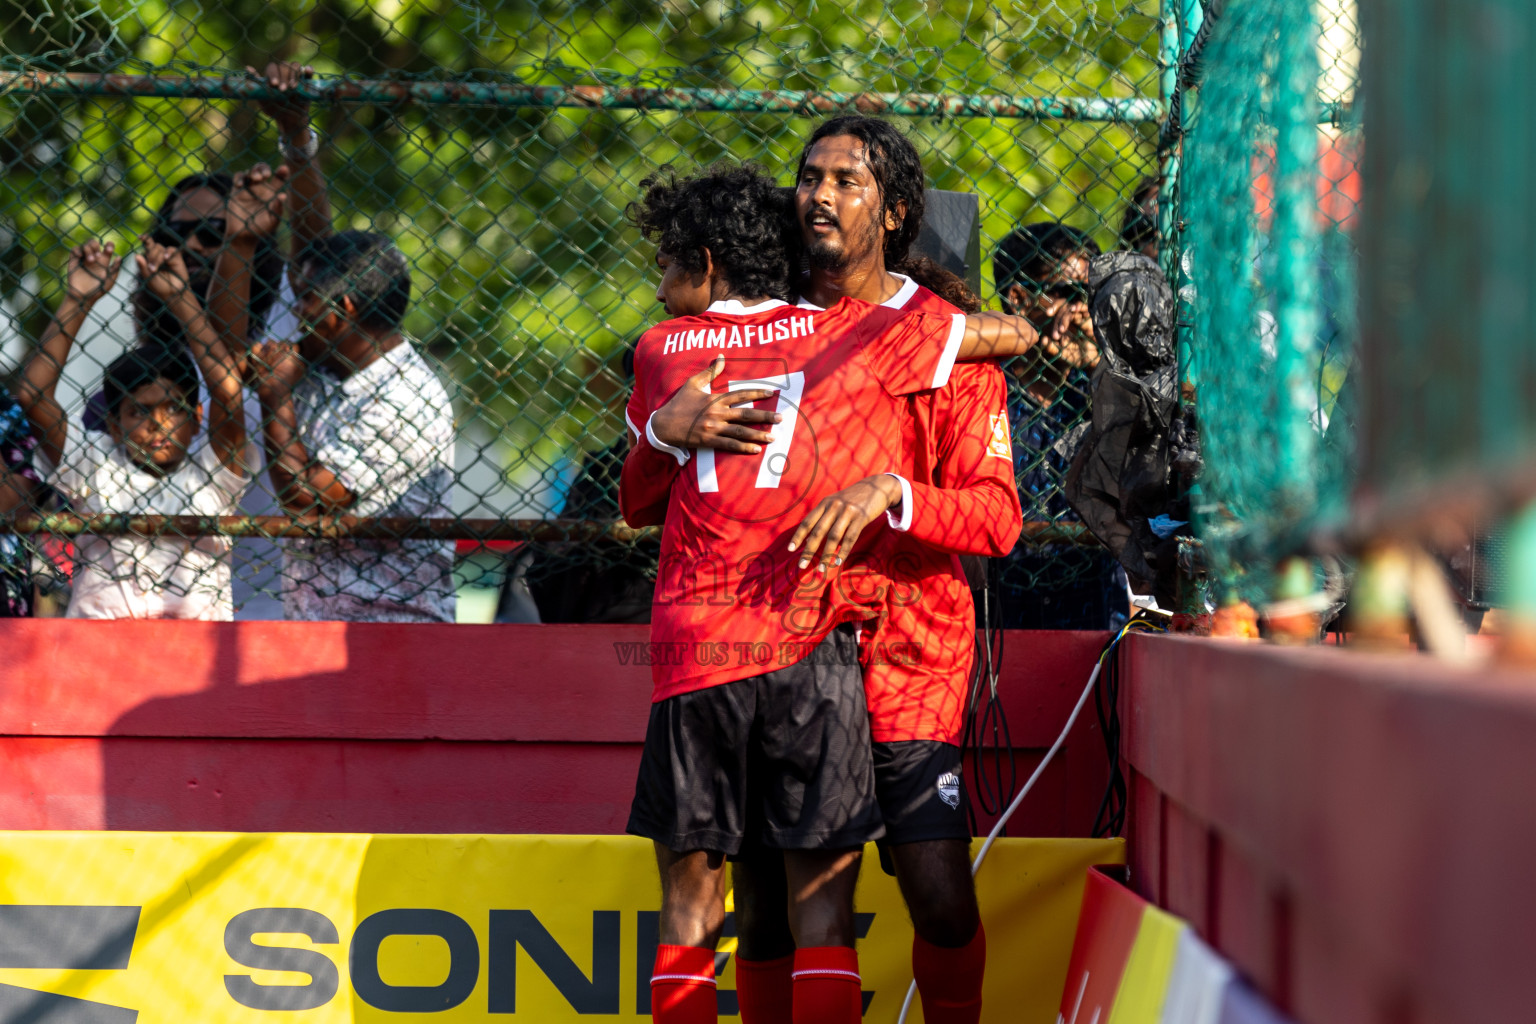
[(530, 279)]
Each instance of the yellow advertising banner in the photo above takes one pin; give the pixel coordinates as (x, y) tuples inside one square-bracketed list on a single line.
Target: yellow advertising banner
[(117, 927)]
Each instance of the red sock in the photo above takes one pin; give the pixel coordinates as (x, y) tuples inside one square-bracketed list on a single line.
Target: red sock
[(826, 984), (765, 990), (949, 980), (683, 986)]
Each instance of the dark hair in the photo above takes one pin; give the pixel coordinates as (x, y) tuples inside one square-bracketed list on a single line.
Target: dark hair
[(156, 324), (945, 284), (1140, 224), (145, 365), (898, 173), (734, 211), (364, 267), (1032, 252)]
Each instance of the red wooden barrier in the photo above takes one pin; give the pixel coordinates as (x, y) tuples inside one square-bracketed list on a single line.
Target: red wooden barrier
[(327, 726), (1354, 831)]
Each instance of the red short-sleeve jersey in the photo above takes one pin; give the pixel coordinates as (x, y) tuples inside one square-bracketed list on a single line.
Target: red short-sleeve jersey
[(730, 601)]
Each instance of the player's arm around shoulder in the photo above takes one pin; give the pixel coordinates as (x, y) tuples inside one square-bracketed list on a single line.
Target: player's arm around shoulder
[(992, 335)]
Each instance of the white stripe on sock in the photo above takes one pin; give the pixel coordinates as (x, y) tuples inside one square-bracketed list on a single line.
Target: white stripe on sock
[(827, 972)]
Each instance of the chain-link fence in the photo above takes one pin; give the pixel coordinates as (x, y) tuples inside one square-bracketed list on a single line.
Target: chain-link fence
[(496, 146)]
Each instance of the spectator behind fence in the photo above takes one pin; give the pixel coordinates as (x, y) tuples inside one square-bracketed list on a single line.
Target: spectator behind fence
[(18, 489), (1041, 271), (254, 299), (152, 415), (595, 581), (196, 216), (191, 217), (357, 423)]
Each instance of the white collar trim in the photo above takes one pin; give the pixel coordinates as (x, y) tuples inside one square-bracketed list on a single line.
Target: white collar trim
[(903, 294), (734, 307), (901, 298)]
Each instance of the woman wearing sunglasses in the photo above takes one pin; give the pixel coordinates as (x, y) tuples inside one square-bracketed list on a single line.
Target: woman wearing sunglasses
[(193, 218)]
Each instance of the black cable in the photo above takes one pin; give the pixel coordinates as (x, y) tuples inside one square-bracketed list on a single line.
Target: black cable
[(994, 725), (996, 773), (971, 740), (1110, 818), (1192, 64), (1106, 730), (968, 744), (1117, 785), (996, 719)]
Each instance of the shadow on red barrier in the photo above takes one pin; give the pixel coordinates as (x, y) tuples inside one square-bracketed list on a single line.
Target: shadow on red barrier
[(332, 726), (395, 739)]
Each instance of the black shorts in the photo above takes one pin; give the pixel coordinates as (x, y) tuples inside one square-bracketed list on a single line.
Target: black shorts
[(921, 791), (780, 760)]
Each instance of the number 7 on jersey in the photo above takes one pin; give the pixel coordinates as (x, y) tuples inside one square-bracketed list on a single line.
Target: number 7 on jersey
[(790, 386)]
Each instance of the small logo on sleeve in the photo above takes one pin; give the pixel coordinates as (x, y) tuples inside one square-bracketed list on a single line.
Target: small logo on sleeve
[(949, 789), (999, 445)]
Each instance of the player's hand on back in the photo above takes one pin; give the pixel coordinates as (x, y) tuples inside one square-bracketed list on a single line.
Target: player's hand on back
[(830, 530), (92, 271), (695, 418)]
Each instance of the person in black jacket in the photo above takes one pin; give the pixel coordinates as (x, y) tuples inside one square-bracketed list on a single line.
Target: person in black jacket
[(599, 581)]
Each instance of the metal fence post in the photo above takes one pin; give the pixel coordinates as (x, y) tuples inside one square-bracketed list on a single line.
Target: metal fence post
[(1169, 50)]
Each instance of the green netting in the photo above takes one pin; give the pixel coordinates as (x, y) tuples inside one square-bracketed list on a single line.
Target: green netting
[(498, 144), (1450, 318), (1268, 197)]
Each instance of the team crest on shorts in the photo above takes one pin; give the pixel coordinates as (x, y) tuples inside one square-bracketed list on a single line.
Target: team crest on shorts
[(949, 789)]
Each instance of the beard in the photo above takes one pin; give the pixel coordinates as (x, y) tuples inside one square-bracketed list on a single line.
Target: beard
[(825, 254)]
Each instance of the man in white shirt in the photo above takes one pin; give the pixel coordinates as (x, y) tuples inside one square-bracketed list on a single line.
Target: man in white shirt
[(356, 423)]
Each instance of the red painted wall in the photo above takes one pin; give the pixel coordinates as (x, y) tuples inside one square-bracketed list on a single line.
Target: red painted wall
[(1354, 831), (330, 726)]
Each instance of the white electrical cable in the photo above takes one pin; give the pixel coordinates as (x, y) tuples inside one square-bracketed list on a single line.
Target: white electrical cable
[(1093, 677)]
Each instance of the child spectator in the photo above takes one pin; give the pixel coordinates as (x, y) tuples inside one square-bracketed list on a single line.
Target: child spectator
[(193, 217), (357, 423), (152, 415)]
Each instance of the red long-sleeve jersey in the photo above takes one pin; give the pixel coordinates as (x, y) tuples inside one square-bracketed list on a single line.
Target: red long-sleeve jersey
[(963, 500)]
